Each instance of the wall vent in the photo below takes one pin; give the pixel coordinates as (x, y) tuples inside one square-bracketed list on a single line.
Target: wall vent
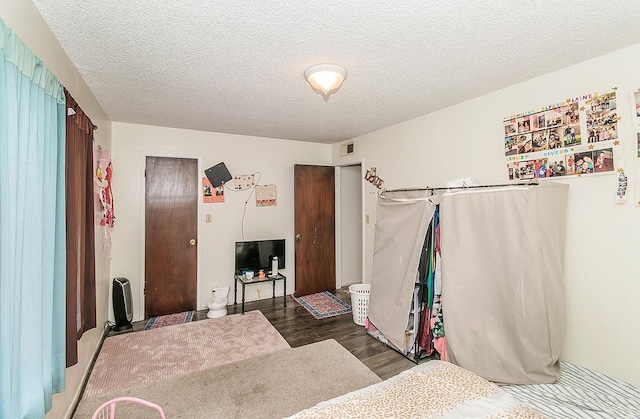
[(346, 149)]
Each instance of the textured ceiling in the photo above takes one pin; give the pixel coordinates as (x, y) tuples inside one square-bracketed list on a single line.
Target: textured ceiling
[(237, 66)]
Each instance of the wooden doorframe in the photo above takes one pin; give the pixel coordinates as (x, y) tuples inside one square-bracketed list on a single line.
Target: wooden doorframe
[(143, 164), (338, 214)]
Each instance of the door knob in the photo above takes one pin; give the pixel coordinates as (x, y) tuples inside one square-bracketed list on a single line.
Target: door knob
[(298, 237), (192, 242)]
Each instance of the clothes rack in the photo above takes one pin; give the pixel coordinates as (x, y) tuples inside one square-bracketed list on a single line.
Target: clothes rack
[(524, 226), (444, 188)]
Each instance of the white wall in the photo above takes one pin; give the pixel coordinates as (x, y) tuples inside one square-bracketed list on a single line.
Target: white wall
[(242, 155), (351, 224), (26, 22), (603, 239)]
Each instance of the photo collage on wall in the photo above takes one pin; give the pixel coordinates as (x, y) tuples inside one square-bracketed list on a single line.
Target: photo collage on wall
[(571, 138)]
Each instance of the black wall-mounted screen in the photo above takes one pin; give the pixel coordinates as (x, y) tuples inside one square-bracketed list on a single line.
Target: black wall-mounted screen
[(256, 255), (218, 174)]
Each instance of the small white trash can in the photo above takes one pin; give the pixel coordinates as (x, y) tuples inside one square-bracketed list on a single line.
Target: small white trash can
[(359, 302)]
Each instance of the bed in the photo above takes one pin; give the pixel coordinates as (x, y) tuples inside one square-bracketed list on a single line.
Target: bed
[(581, 393), (430, 390), (438, 389)]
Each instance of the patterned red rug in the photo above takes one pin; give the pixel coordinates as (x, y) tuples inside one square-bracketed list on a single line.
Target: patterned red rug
[(323, 305), (169, 320)]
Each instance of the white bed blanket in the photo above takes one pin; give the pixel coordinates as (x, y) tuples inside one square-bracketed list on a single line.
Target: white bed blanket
[(435, 389)]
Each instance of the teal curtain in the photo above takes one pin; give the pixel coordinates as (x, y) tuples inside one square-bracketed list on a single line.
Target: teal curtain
[(32, 232)]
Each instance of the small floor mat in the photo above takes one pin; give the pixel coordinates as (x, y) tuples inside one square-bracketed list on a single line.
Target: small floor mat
[(169, 320), (323, 304)]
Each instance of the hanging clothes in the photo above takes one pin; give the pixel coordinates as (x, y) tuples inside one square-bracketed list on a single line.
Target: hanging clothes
[(425, 295), (436, 322)]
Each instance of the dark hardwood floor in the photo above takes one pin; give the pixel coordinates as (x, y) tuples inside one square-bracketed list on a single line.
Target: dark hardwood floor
[(299, 328)]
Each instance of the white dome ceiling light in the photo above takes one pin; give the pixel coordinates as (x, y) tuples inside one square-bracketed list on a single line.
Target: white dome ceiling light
[(325, 79)]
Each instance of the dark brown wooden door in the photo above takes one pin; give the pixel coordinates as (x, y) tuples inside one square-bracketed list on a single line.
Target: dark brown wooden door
[(314, 196), (171, 227)]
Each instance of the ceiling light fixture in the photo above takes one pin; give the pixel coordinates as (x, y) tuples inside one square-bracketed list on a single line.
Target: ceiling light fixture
[(325, 79)]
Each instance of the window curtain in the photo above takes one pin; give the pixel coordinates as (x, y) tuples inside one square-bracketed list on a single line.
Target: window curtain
[(32, 232), (81, 284)]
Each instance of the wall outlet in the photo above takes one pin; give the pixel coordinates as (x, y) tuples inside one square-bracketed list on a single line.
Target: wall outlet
[(207, 218)]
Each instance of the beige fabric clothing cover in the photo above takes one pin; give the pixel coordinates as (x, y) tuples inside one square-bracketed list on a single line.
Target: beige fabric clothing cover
[(401, 226), (502, 281)]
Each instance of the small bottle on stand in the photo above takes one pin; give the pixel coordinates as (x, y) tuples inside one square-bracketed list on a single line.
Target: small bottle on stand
[(274, 267)]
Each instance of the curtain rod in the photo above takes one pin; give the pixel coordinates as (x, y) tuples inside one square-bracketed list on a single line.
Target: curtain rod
[(532, 183), (71, 111)]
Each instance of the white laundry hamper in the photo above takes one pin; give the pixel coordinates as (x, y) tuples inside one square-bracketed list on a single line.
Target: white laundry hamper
[(359, 302)]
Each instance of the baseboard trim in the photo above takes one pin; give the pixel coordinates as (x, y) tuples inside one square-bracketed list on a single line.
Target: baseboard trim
[(85, 378)]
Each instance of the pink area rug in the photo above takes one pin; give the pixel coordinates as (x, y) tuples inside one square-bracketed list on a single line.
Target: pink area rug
[(169, 320), (323, 305), (157, 354)]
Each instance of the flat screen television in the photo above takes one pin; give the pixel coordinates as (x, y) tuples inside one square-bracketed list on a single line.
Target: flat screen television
[(257, 254)]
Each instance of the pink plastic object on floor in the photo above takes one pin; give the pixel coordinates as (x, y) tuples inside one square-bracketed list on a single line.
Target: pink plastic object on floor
[(108, 409)]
